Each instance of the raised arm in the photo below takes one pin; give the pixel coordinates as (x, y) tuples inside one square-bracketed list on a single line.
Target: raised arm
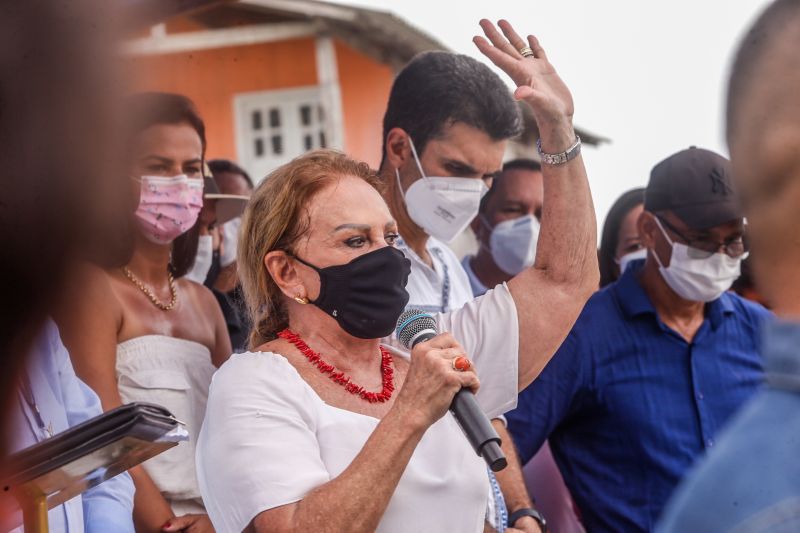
[(550, 295)]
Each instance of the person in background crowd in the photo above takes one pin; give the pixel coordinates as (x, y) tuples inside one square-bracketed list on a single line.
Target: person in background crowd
[(658, 361), (50, 399), (285, 446), (206, 260), (745, 286), (620, 243), (234, 182), (507, 229), (140, 332), (441, 151), (751, 480), (507, 226)]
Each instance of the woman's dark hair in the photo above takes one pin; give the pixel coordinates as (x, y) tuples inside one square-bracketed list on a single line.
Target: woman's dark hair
[(609, 270), (218, 166), (440, 88), (153, 108)]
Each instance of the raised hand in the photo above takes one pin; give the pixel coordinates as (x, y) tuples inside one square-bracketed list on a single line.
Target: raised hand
[(537, 81)]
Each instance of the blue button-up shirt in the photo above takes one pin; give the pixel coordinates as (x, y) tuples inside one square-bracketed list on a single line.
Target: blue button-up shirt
[(751, 480), (64, 401), (628, 404)]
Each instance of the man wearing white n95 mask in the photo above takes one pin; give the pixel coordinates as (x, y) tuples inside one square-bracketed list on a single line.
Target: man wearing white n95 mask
[(507, 226), (658, 361)]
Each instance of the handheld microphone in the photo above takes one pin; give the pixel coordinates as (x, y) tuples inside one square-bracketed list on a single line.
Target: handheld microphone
[(415, 326)]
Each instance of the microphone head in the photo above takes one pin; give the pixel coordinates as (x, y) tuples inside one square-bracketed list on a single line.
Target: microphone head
[(411, 323)]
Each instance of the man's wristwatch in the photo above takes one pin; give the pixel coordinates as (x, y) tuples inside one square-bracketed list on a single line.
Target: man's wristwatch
[(561, 158), (527, 511)]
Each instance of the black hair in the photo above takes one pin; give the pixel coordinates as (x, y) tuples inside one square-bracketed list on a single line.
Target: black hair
[(436, 89), (218, 166), (152, 108), (609, 270), (515, 164)]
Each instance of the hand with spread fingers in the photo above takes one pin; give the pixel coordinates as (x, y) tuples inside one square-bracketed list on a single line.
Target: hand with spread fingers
[(526, 64)]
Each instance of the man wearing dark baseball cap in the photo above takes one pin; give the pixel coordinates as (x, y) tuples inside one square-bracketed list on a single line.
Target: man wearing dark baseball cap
[(658, 361)]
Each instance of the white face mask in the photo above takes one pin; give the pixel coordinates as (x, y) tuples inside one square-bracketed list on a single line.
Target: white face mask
[(513, 243), (698, 280), (626, 259), (203, 259), (230, 241), (442, 206)]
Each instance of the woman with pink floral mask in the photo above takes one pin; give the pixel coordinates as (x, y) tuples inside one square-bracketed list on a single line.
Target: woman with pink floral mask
[(141, 332)]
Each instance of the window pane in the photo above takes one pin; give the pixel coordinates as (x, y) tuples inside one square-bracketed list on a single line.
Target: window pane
[(305, 115), (275, 118), (322, 143), (308, 140), (320, 114), (259, 147), (277, 144), (256, 120)]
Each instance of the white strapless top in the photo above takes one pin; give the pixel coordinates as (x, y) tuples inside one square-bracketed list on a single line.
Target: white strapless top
[(176, 374)]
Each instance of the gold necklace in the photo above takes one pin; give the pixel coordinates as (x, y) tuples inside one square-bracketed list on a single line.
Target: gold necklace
[(145, 289)]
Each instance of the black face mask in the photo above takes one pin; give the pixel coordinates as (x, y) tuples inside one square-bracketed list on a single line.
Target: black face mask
[(366, 295)]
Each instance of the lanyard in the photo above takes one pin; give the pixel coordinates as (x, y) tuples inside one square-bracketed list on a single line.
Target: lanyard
[(27, 395), (445, 281)]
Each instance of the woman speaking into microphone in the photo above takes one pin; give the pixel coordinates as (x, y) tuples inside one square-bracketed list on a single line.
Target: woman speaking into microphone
[(321, 427)]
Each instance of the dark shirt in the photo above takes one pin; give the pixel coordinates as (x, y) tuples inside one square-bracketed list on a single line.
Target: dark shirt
[(751, 480), (233, 309), (629, 405)]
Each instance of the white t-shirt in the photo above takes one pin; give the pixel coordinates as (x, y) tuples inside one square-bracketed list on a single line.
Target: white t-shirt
[(268, 439), (426, 285)]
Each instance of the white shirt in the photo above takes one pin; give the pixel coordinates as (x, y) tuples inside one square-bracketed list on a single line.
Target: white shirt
[(268, 439), (426, 285)]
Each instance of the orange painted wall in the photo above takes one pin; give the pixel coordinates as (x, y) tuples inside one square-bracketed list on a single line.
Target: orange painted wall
[(365, 86), (213, 77)]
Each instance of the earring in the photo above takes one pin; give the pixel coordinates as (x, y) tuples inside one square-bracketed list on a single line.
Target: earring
[(301, 299)]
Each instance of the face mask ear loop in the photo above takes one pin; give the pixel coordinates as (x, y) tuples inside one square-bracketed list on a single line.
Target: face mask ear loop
[(417, 161), (309, 265), (664, 233)]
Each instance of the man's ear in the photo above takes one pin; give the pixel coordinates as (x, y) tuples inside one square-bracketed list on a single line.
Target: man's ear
[(282, 269), (398, 148)]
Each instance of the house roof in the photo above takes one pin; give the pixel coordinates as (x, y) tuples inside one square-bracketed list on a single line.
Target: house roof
[(379, 34)]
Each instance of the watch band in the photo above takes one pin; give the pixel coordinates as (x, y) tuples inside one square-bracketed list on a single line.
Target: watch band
[(559, 159), (527, 511)]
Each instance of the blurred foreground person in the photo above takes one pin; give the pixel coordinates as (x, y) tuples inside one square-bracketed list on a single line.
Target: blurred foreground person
[(321, 426), (620, 243), (141, 332), (50, 399), (658, 361), (751, 480), (57, 185)]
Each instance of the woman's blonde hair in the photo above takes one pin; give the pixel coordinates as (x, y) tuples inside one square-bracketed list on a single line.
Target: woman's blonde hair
[(275, 218)]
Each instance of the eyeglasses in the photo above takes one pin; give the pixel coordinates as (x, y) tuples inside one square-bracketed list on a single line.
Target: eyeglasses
[(704, 248)]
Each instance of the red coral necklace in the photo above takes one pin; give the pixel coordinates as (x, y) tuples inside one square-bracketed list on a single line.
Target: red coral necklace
[(387, 372)]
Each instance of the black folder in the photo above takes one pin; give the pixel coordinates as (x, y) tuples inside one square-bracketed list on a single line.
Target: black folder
[(85, 455)]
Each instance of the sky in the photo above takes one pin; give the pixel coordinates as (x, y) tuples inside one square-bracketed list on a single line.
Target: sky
[(649, 75)]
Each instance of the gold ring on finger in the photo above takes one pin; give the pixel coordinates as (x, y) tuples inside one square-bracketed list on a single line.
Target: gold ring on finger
[(461, 363), (526, 51)]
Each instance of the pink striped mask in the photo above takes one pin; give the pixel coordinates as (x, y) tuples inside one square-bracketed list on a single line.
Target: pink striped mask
[(168, 207)]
